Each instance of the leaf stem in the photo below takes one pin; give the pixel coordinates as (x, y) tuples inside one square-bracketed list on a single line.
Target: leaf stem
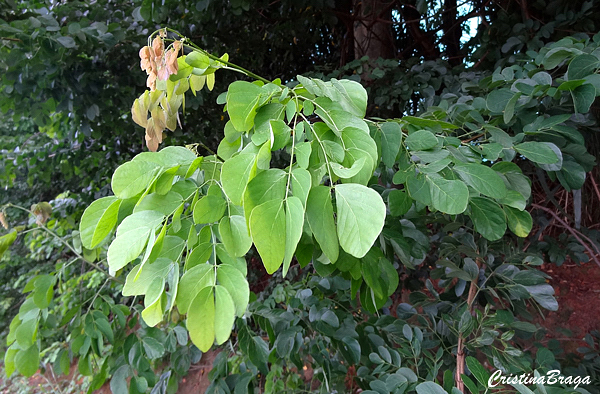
[(65, 243)]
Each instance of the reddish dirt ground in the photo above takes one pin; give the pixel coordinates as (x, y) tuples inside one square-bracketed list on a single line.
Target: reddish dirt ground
[(577, 290)]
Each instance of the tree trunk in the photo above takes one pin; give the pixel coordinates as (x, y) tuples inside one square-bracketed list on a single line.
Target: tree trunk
[(452, 33), (373, 29)]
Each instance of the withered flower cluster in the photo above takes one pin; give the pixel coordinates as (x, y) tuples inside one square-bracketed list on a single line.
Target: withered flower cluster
[(157, 63)]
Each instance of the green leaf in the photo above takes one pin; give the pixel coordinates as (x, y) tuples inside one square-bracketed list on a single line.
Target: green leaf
[(149, 272), (198, 60), (165, 203), (360, 217), (26, 333), (236, 284), (519, 222), (482, 178), (155, 302), (302, 152), (571, 175), (358, 139), (153, 348), (236, 173), (9, 360), (294, 223), (132, 178), (192, 283), (224, 314), (27, 361), (430, 388), (448, 196), (66, 41), (209, 209), (353, 96), (118, 382), (347, 173), (267, 228), (319, 213), (543, 295), (242, 102), (497, 100), (267, 185), (399, 202), (583, 98), (418, 187), (480, 373), (537, 152), (234, 234), (132, 235), (201, 319), (581, 66), (6, 241), (514, 199), (509, 110), (201, 252), (391, 138), (44, 290), (301, 183), (421, 140), (98, 220)]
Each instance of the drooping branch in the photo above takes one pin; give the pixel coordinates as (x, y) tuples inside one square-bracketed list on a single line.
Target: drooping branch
[(425, 41)]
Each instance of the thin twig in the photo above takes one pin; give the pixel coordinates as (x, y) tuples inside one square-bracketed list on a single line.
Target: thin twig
[(570, 229), (460, 353)]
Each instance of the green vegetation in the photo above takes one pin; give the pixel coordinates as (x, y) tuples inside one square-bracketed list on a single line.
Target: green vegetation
[(395, 199)]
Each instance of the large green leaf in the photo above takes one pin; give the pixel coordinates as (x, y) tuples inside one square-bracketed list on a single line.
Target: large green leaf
[(519, 222), (482, 178), (391, 138), (26, 333), (201, 319), (537, 152), (498, 99), (430, 388), (192, 283), (149, 272), (209, 209), (27, 361), (360, 217), (267, 228), (242, 102), (399, 202), (301, 183), (236, 173), (421, 140), (488, 218), (478, 370), (571, 175), (266, 186), (358, 139), (165, 203), (98, 220), (583, 97), (224, 314), (132, 235), (319, 213), (581, 66), (294, 222), (234, 235), (155, 303), (353, 96), (133, 177), (236, 284), (448, 196), (7, 240)]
